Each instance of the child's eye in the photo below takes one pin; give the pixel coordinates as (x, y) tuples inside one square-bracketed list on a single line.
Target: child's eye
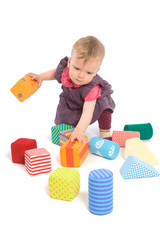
[(89, 73), (76, 68)]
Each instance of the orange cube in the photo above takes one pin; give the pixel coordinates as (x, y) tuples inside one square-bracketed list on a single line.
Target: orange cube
[(73, 154), (24, 88)]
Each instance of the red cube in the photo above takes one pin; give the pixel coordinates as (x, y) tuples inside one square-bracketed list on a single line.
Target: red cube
[(19, 147)]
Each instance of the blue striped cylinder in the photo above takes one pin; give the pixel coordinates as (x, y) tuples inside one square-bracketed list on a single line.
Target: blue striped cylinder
[(100, 188)]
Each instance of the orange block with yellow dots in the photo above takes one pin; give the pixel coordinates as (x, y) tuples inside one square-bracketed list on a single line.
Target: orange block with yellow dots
[(24, 88), (73, 154)]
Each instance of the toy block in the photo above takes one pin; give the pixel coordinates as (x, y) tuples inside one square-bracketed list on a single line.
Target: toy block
[(104, 148), (55, 132), (121, 136), (37, 161), (138, 149), (136, 168), (65, 135), (64, 184), (74, 153), (145, 129), (24, 88), (100, 188), (19, 147)]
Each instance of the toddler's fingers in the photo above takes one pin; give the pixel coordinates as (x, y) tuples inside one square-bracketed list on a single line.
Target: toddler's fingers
[(29, 74), (33, 76), (72, 138), (84, 140), (40, 83), (79, 140)]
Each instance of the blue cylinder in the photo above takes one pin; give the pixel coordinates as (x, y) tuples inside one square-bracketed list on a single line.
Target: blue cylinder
[(104, 148), (100, 188)]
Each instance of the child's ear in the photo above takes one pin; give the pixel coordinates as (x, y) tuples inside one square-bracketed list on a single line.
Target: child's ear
[(98, 69), (69, 61)]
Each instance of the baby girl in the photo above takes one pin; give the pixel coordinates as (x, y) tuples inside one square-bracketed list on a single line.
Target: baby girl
[(85, 96)]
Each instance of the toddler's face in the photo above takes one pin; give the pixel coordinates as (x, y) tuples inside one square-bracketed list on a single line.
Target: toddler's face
[(82, 73)]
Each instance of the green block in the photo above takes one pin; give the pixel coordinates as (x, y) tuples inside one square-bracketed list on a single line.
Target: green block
[(55, 131), (145, 129)]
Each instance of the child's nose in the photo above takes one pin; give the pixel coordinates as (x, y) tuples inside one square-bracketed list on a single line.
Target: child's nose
[(80, 74)]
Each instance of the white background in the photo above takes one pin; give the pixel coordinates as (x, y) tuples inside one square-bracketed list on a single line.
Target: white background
[(35, 35)]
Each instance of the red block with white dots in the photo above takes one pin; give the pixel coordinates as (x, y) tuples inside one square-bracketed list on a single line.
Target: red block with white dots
[(121, 136), (37, 161), (19, 147)]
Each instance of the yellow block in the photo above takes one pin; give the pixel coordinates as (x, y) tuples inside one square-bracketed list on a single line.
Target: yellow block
[(24, 88), (64, 184), (138, 149)]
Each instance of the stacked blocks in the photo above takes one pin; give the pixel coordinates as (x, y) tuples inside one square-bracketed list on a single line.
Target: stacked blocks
[(121, 136), (104, 148), (73, 154), (55, 132), (100, 191), (37, 161), (139, 150), (64, 184), (19, 147), (65, 135), (24, 88), (146, 130), (135, 168)]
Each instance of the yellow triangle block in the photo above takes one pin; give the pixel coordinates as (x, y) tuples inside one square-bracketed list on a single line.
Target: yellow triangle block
[(139, 150)]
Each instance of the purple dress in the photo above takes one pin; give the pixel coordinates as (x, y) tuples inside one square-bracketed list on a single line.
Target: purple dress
[(71, 101)]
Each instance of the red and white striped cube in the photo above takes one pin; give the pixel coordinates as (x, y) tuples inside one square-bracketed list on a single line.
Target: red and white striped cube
[(121, 136), (37, 161)]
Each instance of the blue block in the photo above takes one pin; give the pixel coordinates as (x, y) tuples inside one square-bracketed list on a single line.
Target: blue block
[(100, 188), (136, 168), (104, 148)]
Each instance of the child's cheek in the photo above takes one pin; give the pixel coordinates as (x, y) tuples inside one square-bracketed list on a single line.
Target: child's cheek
[(72, 74)]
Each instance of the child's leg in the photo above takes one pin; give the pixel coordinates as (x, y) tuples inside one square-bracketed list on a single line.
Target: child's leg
[(105, 124)]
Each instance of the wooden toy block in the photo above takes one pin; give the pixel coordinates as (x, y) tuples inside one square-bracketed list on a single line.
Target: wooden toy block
[(55, 132), (121, 136), (19, 147), (136, 168), (73, 154), (64, 184), (24, 88), (145, 129), (139, 150), (37, 161), (65, 135)]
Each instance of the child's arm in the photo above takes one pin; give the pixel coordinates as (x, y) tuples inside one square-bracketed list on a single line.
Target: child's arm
[(49, 75), (86, 117)]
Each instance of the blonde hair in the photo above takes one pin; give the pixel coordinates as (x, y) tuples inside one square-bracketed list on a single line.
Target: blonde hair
[(89, 48)]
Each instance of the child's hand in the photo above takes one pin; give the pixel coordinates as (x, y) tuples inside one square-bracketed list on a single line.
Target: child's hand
[(79, 135), (36, 77)]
